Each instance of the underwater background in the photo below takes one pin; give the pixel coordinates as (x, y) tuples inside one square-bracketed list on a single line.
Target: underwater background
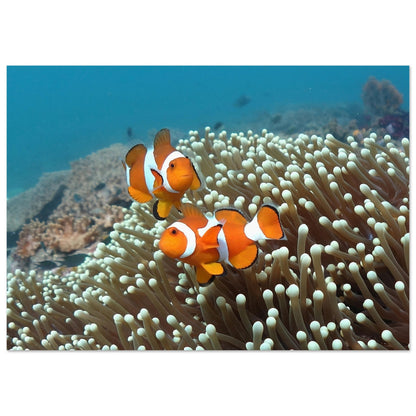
[(69, 128), (57, 114)]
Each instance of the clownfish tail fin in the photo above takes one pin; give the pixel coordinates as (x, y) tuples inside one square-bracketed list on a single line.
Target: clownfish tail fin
[(269, 222), (265, 225)]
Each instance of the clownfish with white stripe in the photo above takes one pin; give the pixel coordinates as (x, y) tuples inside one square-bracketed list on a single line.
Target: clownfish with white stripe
[(161, 172), (206, 241)]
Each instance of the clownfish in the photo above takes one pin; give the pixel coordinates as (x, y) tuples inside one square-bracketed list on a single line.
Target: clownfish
[(226, 236), (161, 172)]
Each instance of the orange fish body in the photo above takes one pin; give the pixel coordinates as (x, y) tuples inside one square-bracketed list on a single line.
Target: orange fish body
[(161, 172), (227, 237)]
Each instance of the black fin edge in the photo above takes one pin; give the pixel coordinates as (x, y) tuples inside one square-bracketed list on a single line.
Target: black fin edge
[(212, 279), (154, 170), (232, 209), (155, 213), (201, 184)]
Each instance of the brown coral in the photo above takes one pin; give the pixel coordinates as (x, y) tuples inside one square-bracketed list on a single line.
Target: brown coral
[(68, 234), (30, 238), (341, 281), (381, 97)]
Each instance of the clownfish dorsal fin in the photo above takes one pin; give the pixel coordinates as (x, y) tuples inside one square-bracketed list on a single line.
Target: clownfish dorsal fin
[(135, 153), (162, 138), (189, 210), (162, 147), (231, 215), (210, 238)]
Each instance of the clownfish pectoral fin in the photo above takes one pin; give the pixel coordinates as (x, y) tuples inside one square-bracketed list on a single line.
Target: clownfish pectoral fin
[(136, 153), (196, 182), (269, 222), (158, 179), (210, 238), (139, 196), (245, 258), (161, 209)]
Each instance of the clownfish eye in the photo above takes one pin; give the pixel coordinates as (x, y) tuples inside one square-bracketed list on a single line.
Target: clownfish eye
[(172, 165), (173, 232)]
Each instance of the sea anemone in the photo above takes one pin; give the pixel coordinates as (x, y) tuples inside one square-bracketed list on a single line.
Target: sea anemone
[(340, 281)]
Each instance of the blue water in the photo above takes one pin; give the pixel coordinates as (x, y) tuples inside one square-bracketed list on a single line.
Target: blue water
[(58, 114)]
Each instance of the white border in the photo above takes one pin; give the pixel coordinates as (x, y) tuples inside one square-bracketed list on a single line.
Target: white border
[(218, 32)]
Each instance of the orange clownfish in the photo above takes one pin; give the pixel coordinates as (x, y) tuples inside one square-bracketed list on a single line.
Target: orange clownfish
[(161, 172), (205, 241)]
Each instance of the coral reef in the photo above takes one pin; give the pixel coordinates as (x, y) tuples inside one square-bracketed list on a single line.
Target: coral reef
[(65, 235), (339, 120), (340, 281), (96, 182), (380, 113), (71, 214), (27, 205), (312, 119)]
